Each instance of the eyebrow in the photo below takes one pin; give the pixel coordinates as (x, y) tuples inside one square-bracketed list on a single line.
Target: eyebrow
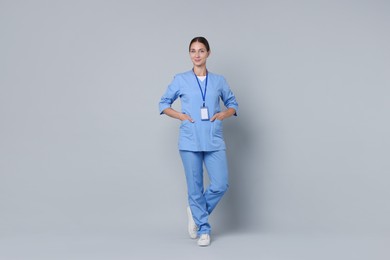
[(201, 49)]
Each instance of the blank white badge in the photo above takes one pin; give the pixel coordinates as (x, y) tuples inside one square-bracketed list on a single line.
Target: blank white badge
[(204, 113)]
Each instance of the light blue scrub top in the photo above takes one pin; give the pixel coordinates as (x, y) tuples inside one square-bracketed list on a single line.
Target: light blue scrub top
[(200, 135)]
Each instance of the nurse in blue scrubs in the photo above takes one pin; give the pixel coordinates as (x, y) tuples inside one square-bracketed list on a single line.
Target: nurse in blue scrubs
[(201, 135)]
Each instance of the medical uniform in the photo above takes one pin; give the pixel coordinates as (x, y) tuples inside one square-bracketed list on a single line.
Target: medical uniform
[(201, 141)]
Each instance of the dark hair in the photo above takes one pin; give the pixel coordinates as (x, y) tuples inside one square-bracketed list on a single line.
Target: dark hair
[(201, 40)]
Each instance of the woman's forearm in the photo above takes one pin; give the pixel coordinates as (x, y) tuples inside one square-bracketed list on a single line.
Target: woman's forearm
[(176, 114), (172, 113)]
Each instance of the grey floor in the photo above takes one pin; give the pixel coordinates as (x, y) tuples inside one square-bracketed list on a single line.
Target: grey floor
[(162, 244)]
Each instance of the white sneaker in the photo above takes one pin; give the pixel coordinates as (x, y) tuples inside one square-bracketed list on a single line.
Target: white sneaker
[(204, 240), (192, 228)]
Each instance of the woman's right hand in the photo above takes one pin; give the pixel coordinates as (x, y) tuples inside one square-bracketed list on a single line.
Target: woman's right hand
[(176, 114), (184, 117)]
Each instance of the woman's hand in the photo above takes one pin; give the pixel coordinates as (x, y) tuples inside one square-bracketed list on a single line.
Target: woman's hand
[(220, 116), (175, 114), (184, 117), (223, 115)]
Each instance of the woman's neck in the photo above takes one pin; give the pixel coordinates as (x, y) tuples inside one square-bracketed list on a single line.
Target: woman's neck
[(200, 71)]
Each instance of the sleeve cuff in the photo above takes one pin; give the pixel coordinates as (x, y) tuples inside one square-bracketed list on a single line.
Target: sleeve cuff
[(163, 107)]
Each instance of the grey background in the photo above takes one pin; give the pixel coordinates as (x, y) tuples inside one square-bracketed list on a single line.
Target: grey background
[(89, 170)]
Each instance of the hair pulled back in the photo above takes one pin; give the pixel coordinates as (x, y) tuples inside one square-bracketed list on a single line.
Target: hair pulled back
[(201, 40)]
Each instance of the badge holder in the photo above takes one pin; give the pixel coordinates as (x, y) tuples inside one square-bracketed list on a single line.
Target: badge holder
[(204, 113)]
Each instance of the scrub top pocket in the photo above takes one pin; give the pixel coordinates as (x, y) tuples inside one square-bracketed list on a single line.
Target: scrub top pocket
[(217, 129), (186, 129), (188, 137)]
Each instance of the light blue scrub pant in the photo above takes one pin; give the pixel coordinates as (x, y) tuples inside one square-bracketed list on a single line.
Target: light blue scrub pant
[(201, 202)]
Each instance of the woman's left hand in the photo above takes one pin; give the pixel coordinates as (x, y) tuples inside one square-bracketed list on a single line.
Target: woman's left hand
[(220, 116), (223, 115)]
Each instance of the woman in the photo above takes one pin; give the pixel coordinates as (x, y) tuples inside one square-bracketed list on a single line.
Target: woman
[(201, 138)]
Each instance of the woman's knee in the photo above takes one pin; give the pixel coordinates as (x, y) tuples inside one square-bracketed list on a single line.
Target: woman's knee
[(220, 188)]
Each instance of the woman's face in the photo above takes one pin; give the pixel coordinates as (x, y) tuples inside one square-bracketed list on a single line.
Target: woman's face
[(198, 54)]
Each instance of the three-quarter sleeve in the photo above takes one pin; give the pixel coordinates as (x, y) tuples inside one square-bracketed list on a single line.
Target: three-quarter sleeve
[(170, 95), (228, 97)]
